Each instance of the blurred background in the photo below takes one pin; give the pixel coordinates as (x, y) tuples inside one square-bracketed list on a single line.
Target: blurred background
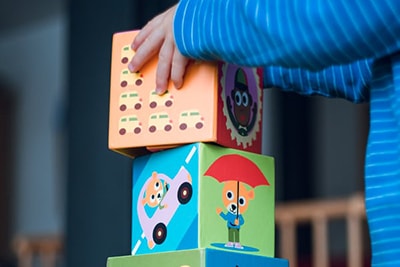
[(58, 178)]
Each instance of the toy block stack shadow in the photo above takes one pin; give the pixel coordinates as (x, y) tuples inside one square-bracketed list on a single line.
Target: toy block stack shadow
[(203, 195)]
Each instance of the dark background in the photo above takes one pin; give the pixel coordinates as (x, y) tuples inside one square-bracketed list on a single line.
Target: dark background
[(98, 181)]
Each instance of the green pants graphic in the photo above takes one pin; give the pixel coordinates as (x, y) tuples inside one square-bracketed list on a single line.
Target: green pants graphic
[(233, 235)]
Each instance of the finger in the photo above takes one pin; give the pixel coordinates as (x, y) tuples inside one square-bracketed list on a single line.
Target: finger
[(147, 50), (143, 54), (178, 68), (147, 30), (141, 36), (164, 67)]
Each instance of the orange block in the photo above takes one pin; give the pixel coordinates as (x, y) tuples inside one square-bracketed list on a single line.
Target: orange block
[(219, 103)]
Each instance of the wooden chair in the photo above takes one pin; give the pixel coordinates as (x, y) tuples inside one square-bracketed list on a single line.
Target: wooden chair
[(318, 214), (45, 249)]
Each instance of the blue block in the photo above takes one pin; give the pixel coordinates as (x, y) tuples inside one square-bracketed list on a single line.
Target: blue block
[(197, 258), (203, 196)]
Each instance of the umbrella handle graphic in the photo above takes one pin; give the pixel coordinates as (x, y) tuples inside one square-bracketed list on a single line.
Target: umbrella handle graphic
[(237, 201)]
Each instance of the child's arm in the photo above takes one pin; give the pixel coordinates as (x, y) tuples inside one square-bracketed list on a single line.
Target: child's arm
[(350, 81), (268, 33), (294, 34)]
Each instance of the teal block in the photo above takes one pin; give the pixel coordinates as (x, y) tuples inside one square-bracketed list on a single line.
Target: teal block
[(197, 258), (186, 198)]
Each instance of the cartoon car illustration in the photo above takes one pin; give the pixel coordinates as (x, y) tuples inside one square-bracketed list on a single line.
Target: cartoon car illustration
[(129, 124), (190, 119), (128, 100), (126, 54), (160, 121), (129, 78), (160, 100), (179, 193)]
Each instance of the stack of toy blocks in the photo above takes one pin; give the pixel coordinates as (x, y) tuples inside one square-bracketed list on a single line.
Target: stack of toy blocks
[(203, 195)]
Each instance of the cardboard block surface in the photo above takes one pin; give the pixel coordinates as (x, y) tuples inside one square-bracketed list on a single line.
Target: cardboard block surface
[(218, 103), (197, 258), (203, 196)]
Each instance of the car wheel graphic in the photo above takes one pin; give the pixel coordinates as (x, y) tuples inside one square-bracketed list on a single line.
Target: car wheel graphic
[(185, 193), (138, 82), (138, 106), (122, 131), (168, 103), (137, 130), (199, 125), (124, 83), (153, 104), (159, 233), (122, 107), (183, 126), (167, 127), (152, 129)]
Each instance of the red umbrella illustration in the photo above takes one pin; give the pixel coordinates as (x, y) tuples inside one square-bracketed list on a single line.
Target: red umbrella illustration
[(234, 167)]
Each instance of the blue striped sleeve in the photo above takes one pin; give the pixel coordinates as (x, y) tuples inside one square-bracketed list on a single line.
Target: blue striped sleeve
[(351, 82), (288, 33)]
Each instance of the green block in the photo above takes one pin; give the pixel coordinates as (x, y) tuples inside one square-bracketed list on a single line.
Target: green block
[(186, 198), (196, 258)]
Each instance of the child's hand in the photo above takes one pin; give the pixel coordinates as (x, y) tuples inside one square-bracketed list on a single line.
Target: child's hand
[(219, 210), (157, 37)]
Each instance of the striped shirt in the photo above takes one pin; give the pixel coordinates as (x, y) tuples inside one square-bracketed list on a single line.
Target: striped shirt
[(340, 48)]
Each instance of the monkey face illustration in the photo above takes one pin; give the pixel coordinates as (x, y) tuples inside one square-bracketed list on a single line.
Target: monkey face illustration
[(241, 95), (242, 104), (242, 111)]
